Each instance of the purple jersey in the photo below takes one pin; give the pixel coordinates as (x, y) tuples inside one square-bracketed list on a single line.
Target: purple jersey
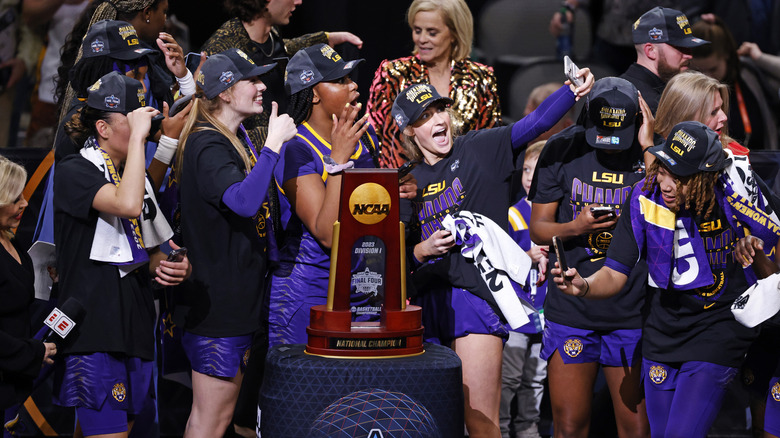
[(301, 279)]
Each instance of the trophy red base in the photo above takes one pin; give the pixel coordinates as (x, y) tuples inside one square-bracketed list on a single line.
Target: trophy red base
[(333, 333), (367, 259)]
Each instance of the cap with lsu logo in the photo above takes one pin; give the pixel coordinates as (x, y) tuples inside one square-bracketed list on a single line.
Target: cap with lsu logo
[(116, 93), (315, 64), (665, 25), (413, 101), (691, 147), (612, 109), (115, 39)]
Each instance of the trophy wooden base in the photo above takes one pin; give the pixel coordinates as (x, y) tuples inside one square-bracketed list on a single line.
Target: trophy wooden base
[(332, 333)]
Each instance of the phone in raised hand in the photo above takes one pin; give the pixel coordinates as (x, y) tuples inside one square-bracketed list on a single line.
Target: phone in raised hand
[(571, 69)]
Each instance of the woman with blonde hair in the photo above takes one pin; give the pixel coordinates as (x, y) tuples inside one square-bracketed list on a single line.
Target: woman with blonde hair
[(695, 96), (23, 356), (442, 31), (223, 182)]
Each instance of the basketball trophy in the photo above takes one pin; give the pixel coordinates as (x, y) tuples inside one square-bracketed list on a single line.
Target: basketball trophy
[(366, 314)]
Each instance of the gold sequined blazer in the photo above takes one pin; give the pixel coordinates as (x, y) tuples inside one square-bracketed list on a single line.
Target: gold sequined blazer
[(472, 87)]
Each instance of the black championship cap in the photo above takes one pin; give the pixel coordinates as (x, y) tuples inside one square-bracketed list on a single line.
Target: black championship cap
[(613, 106), (691, 147), (411, 103), (116, 39), (223, 70), (116, 93), (315, 64), (665, 25)]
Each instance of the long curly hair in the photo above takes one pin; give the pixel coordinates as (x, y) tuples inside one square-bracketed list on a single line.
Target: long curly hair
[(695, 193)]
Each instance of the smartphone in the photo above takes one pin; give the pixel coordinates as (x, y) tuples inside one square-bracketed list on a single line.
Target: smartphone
[(602, 211), (192, 61), (179, 105), (177, 255), (561, 254), (571, 69), (406, 168), (156, 123)]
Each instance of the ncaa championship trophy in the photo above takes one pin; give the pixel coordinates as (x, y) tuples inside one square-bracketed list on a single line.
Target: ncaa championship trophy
[(366, 314)]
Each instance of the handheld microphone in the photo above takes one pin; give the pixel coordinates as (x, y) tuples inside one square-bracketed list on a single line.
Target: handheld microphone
[(62, 321)]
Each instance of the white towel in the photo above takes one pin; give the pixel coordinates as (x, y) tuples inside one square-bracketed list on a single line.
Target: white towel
[(759, 302), (496, 256), (110, 243)]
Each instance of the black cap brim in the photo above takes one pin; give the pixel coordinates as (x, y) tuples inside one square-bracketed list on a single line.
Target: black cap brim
[(129, 55), (340, 72), (688, 43), (676, 167), (260, 70)]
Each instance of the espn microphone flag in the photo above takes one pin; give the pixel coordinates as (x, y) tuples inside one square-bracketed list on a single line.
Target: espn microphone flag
[(62, 321)]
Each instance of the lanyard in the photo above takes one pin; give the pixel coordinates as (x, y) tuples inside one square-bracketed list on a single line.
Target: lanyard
[(743, 112)]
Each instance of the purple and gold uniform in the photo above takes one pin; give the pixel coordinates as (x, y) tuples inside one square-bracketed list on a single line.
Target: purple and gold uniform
[(301, 279), (474, 176), (107, 367), (225, 299), (692, 345), (574, 174)]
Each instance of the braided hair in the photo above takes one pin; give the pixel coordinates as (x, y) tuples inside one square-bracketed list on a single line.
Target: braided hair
[(700, 196), (71, 52)]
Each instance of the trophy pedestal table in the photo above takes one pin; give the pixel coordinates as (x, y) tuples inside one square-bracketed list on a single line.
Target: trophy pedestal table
[(297, 386)]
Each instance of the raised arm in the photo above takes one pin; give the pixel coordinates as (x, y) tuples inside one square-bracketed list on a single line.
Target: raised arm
[(127, 198), (315, 203), (547, 114), (246, 197)]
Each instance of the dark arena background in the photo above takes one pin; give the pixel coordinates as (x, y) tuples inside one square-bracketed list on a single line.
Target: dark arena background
[(383, 29)]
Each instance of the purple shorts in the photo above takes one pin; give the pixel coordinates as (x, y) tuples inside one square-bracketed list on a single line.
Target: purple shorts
[(772, 415), (454, 313), (612, 348), (218, 357), (105, 389), (684, 399)]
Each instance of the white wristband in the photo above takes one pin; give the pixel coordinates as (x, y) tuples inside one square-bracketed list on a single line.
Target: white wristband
[(334, 168), (187, 84), (166, 149)]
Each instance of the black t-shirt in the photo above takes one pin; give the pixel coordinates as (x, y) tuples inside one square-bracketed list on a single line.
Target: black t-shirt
[(694, 325), (228, 256), (475, 177), (574, 174), (650, 85), (120, 314)]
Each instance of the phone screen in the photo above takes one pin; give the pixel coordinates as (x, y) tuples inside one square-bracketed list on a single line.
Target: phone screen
[(192, 61), (561, 254), (571, 69)]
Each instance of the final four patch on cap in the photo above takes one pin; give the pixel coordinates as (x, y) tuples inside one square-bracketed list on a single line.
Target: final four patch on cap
[(116, 92), (665, 25), (117, 39), (223, 70), (315, 64), (411, 102)]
